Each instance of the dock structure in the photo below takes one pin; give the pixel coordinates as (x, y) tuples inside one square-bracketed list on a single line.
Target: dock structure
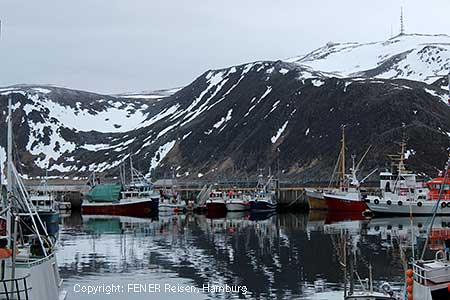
[(69, 190), (291, 196)]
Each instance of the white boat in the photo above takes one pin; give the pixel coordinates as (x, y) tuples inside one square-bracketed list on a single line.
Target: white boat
[(237, 202), (402, 194), (431, 278), (170, 201), (29, 269), (371, 296)]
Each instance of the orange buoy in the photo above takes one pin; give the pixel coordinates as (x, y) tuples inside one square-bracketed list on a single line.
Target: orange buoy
[(409, 281), (410, 296), (448, 287), (409, 273), (409, 288)]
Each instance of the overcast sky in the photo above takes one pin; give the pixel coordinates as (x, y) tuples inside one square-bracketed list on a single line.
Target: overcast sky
[(113, 46)]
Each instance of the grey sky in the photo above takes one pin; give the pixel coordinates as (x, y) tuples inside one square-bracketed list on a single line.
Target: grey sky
[(114, 46)]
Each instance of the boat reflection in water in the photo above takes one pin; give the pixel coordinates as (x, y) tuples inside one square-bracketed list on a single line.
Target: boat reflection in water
[(280, 256)]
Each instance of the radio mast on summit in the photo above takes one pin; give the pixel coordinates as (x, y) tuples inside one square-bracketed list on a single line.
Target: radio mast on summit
[(402, 24)]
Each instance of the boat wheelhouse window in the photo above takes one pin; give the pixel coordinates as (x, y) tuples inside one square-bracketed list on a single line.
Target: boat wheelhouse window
[(387, 187)]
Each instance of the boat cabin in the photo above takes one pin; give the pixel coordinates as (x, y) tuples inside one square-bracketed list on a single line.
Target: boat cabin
[(435, 185)]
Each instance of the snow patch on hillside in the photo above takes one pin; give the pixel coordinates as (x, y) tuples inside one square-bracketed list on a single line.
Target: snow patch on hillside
[(113, 119), (51, 149), (160, 154), (317, 82), (224, 119), (268, 90), (279, 133)]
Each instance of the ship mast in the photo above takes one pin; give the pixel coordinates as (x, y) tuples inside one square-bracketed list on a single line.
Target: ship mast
[(9, 148), (343, 156)]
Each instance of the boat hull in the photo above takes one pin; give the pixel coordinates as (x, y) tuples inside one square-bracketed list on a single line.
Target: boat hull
[(262, 205), (338, 203), (237, 206), (171, 208), (216, 206), (316, 200), (141, 208), (406, 208)]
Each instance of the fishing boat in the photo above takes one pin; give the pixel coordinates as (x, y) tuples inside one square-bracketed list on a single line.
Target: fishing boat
[(264, 198), (316, 200), (430, 279), (137, 199), (237, 201), (347, 197), (402, 194), (216, 202), (170, 201), (29, 268), (46, 206)]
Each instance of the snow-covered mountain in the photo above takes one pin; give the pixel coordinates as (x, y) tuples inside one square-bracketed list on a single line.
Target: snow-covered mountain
[(233, 121), (418, 57)]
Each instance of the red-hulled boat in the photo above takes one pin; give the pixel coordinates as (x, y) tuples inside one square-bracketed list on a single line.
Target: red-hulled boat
[(137, 201), (346, 198), (124, 207), (216, 202)]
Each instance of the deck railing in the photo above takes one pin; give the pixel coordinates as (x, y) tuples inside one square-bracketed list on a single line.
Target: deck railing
[(16, 288), (444, 197), (421, 273)]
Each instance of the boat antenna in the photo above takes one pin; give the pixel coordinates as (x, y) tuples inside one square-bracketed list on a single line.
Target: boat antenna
[(343, 156), (441, 190), (362, 158), (131, 168)]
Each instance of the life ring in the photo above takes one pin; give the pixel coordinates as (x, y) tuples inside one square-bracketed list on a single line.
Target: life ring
[(419, 204), (386, 287), (443, 204), (400, 203), (389, 202), (376, 201)]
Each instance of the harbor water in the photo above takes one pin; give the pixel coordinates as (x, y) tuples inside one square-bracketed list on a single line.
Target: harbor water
[(264, 256)]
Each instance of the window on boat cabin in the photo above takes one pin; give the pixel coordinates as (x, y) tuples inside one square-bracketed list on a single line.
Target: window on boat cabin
[(438, 186)]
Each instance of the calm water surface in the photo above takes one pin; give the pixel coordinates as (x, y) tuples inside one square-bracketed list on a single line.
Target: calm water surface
[(286, 256)]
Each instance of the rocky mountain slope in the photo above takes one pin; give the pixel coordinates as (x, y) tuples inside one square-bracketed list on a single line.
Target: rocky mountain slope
[(234, 121)]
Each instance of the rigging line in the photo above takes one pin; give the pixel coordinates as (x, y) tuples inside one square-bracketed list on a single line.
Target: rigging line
[(441, 190)]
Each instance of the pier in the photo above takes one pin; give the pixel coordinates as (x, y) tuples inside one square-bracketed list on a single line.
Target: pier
[(290, 196)]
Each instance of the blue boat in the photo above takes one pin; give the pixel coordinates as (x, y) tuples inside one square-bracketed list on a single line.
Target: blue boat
[(262, 204), (264, 198)]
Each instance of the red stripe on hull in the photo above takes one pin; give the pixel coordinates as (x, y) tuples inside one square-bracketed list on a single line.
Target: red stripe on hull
[(345, 205), (140, 209), (216, 206)]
